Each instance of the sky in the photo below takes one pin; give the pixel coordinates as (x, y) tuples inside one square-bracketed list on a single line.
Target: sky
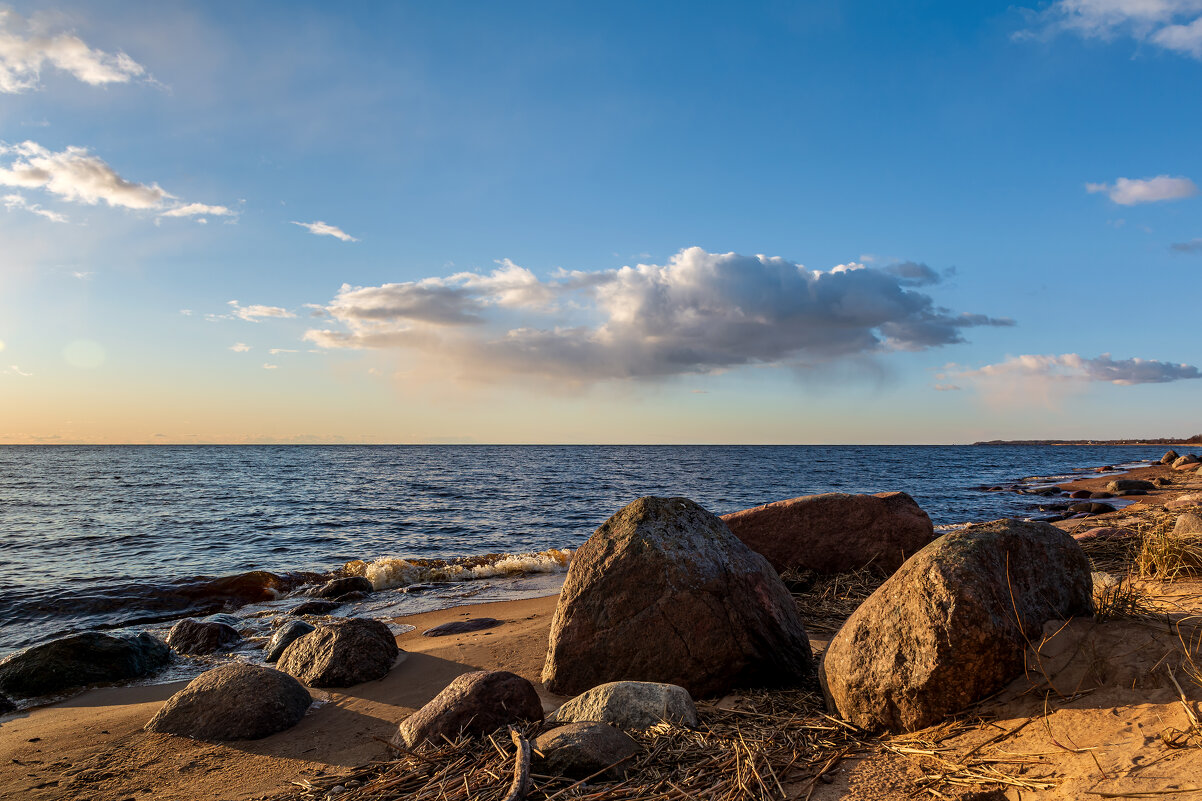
[(624, 222)]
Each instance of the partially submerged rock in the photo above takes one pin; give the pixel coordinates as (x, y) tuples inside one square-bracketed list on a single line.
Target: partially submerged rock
[(474, 704), (284, 636), (952, 625), (835, 532), (339, 587), (579, 750), (80, 660), (315, 608), (664, 592), (461, 626), (341, 654), (1169, 457), (631, 705), (233, 702), (1127, 484), (196, 637)]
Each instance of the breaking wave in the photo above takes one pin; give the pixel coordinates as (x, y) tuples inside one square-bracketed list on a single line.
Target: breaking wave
[(390, 572)]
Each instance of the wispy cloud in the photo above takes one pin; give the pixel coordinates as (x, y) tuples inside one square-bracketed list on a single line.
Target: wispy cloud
[(77, 176), (15, 370), (1074, 367), (271, 367), (1132, 191), (240, 347), (23, 56), (255, 311), (320, 228), (274, 351), (1174, 25), (14, 201), (699, 313), (1192, 246)]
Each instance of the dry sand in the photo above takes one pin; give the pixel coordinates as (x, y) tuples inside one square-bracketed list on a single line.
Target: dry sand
[(1096, 714)]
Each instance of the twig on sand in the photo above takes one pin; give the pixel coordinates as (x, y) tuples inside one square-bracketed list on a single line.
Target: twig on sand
[(521, 767)]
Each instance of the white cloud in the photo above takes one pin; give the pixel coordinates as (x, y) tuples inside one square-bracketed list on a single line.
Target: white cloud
[(1174, 25), (15, 370), (701, 312), (198, 210), (325, 229), (1133, 191), (1074, 367), (274, 351), (271, 367), (15, 201), (23, 57), (186, 312), (256, 311), (77, 176), (239, 347)]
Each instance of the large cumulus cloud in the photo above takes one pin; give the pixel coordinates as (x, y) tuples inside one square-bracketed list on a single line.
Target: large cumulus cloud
[(699, 313)]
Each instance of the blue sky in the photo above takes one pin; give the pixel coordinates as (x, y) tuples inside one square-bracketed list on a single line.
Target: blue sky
[(672, 222)]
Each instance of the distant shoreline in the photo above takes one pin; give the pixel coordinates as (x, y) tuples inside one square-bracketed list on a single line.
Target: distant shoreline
[(1172, 443)]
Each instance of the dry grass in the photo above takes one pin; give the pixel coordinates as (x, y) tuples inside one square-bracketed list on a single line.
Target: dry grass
[(1122, 599), (1166, 556), (825, 602), (775, 746)]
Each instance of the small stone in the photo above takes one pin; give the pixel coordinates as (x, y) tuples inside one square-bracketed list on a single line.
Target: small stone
[(1187, 524), (315, 608), (578, 750), (193, 637), (461, 626), (285, 636), (336, 588), (631, 705), (474, 704)]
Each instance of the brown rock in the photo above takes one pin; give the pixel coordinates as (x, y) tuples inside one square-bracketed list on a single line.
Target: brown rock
[(349, 652), (233, 702), (951, 626), (664, 592), (835, 532), (473, 704), (201, 637), (578, 750)]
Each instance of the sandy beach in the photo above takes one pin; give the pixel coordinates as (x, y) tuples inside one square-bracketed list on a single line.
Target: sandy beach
[(1096, 713)]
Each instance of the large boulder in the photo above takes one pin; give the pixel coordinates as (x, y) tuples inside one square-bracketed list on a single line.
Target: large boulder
[(284, 636), (835, 532), (198, 637), (340, 587), (349, 652), (475, 703), (580, 750), (631, 705), (664, 592), (80, 660), (233, 702), (1129, 484), (952, 625), (1169, 457), (1185, 462)]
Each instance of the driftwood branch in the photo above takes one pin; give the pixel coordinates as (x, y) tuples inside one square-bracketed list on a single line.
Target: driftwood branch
[(521, 768)]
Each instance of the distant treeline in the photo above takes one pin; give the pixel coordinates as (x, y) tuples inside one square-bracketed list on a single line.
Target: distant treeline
[(1196, 439)]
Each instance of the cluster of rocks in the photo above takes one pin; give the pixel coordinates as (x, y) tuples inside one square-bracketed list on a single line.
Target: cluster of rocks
[(1189, 461)]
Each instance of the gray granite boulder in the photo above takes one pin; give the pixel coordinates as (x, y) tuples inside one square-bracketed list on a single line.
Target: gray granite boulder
[(197, 637), (341, 654), (664, 592), (233, 702), (952, 625), (579, 750), (284, 636), (631, 705), (473, 704), (1187, 524), (1120, 485), (80, 660)]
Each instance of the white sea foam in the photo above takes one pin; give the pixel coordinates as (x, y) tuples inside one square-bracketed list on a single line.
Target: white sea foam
[(390, 571)]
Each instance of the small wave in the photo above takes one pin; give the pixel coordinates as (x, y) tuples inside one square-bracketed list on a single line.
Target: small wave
[(390, 572)]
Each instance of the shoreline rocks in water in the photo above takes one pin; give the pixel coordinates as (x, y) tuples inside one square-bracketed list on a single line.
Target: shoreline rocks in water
[(341, 654), (233, 702), (287, 634), (664, 592), (80, 660), (198, 637), (339, 587), (953, 624), (474, 704), (835, 532)]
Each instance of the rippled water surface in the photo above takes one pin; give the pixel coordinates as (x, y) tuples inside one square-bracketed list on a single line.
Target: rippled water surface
[(98, 536)]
